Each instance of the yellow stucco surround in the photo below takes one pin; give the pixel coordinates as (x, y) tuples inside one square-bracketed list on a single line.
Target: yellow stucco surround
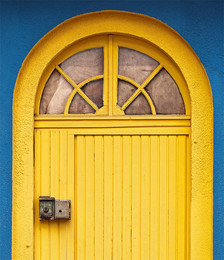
[(147, 29)]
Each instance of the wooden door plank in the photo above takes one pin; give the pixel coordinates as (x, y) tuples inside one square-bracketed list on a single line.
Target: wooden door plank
[(145, 197), (81, 198), (127, 199), (99, 197), (108, 195), (117, 198)]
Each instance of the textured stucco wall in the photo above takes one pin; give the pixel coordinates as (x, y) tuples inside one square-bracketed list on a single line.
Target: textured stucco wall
[(24, 23)]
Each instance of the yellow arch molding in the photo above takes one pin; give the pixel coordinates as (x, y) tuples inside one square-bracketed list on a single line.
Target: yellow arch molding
[(158, 34)]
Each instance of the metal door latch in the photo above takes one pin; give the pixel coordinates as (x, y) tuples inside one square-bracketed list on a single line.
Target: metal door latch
[(51, 209)]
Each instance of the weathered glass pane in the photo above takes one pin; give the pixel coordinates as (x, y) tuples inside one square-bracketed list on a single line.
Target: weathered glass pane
[(80, 106), (124, 91), (165, 94), (135, 65), (55, 94), (139, 106), (94, 91), (84, 65)]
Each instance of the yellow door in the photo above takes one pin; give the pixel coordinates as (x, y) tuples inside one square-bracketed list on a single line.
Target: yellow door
[(125, 168), (128, 195)]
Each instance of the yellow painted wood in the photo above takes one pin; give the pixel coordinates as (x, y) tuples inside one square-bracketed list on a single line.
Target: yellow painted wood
[(71, 194), (196, 223), (131, 131), (110, 73), (90, 198), (145, 197), (108, 197), (127, 198), (155, 198), (118, 174), (116, 109), (111, 76), (63, 188), (136, 197), (77, 89), (76, 122), (55, 157), (45, 189), (55, 240), (181, 202), (140, 88), (149, 101), (81, 198), (118, 198), (172, 173), (164, 210), (164, 61), (99, 195), (128, 193)]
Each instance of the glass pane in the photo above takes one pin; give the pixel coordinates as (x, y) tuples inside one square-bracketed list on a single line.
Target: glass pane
[(135, 65), (165, 94), (124, 92), (139, 106), (94, 91), (80, 106), (55, 94), (84, 65)]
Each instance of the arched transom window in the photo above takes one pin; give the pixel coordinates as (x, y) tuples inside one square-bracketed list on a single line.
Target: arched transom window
[(112, 75)]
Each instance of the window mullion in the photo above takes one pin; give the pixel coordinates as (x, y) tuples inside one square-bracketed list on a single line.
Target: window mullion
[(110, 74)]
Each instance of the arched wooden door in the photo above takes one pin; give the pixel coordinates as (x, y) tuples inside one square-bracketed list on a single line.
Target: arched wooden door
[(112, 132), (113, 111)]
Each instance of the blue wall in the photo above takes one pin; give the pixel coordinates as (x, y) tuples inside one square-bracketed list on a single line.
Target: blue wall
[(24, 23)]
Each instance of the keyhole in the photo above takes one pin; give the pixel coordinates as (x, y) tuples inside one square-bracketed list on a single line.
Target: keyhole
[(46, 209), (60, 210)]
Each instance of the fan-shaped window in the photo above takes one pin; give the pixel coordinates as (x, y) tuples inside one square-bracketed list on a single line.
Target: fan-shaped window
[(143, 85), (76, 85)]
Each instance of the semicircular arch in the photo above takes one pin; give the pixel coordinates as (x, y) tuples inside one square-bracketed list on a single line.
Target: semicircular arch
[(36, 65)]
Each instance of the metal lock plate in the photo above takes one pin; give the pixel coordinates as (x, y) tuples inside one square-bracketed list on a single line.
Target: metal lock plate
[(46, 208), (51, 209), (62, 209)]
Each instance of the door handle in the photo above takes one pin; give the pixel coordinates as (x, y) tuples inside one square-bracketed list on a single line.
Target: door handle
[(51, 209)]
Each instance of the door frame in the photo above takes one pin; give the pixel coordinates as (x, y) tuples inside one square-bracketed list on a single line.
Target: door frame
[(175, 47)]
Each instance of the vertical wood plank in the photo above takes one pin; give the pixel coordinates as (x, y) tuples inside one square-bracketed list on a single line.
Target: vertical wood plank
[(90, 198), (155, 198), (54, 192), (127, 199), (99, 196), (116, 111), (108, 171), (145, 198), (163, 198), (70, 196), (188, 195), (45, 191), (81, 197), (110, 67), (117, 200), (136, 200), (63, 187), (106, 78), (130, 194), (172, 197), (181, 197)]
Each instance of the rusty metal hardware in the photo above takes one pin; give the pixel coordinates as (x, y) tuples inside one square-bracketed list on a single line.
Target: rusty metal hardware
[(51, 209)]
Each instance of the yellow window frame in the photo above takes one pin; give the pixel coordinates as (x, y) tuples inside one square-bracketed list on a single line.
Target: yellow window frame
[(37, 66), (111, 43)]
